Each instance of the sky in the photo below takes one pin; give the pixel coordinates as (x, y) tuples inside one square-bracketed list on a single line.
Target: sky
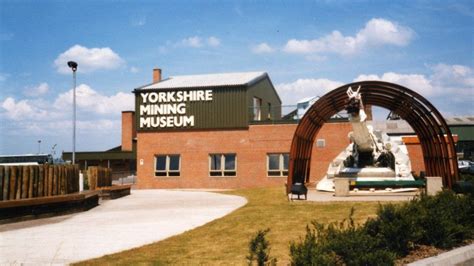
[(307, 47)]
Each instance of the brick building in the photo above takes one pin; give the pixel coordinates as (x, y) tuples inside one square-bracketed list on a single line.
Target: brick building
[(219, 131)]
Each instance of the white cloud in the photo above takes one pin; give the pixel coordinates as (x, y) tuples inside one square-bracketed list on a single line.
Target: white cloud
[(262, 48), (379, 31), (291, 93), (213, 41), (19, 110), (456, 81), (89, 103), (88, 60), (376, 32), (36, 91), (453, 79), (199, 42), (453, 82), (90, 100), (194, 42), (417, 82), (134, 69)]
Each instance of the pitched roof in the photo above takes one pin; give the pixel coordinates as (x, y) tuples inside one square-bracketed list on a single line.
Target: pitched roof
[(207, 80), (460, 120)]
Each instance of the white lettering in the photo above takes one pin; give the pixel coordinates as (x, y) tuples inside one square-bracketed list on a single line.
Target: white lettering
[(144, 95), (208, 95), (167, 109), (153, 97)]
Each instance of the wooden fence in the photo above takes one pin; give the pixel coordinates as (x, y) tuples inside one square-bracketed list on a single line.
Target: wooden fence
[(31, 181), (99, 177)]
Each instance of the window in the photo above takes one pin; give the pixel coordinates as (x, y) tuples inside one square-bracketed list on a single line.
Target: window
[(320, 143), (277, 164), (222, 164), (269, 116), (257, 109), (167, 165)]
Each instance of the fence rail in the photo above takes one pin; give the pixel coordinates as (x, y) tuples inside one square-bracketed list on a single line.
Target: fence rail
[(32, 181)]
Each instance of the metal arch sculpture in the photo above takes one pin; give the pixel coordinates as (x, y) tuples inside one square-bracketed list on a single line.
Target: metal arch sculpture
[(435, 137)]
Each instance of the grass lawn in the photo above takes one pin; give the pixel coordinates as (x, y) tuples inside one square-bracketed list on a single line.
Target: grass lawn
[(225, 240)]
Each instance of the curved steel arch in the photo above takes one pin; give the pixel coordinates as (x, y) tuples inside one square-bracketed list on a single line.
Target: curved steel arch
[(434, 134)]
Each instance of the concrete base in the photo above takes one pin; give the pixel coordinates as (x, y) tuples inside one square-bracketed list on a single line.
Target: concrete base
[(434, 184), (342, 187)]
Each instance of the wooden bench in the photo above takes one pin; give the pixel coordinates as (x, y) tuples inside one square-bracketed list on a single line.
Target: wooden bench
[(25, 209), (114, 192)]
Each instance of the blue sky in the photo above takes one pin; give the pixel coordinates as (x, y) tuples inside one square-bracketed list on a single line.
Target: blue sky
[(307, 47)]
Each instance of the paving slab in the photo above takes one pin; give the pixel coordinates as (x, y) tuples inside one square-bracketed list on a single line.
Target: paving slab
[(144, 217)]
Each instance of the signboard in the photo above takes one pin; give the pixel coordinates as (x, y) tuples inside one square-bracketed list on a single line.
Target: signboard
[(169, 109)]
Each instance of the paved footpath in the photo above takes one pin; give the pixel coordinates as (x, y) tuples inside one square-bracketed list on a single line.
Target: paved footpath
[(144, 217)]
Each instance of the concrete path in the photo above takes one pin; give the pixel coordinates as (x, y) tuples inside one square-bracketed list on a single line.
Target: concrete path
[(144, 217)]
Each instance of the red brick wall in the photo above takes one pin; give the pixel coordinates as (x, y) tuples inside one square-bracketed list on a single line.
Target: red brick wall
[(128, 130), (251, 147), (416, 157), (415, 152)]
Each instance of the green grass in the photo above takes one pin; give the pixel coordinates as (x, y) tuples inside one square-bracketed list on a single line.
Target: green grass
[(225, 240)]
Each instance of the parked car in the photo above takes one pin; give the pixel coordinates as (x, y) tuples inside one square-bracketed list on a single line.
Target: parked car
[(466, 167)]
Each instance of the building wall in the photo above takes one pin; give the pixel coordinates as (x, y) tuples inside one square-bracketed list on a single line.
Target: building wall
[(265, 91), (416, 157), (415, 152), (128, 130), (251, 146)]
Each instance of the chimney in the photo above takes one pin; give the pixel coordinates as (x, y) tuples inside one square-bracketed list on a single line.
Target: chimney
[(156, 75), (129, 131)]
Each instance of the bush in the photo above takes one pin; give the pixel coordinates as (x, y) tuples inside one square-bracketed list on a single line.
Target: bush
[(339, 244), (394, 229), (314, 249), (259, 249), (444, 220)]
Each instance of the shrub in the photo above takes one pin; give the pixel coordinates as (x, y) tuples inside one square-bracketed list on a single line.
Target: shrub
[(314, 248), (444, 220), (394, 229), (259, 249), (339, 244)]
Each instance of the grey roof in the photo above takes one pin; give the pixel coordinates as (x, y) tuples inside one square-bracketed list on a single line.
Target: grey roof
[(460, 120), (207, 80)]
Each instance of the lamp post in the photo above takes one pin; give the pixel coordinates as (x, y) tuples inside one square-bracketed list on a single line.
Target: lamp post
[(73, 66), (39, 146)]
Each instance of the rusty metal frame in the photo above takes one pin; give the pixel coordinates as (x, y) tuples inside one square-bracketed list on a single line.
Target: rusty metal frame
[(435, 137)]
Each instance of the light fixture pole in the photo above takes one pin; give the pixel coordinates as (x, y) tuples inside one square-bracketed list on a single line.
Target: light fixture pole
[(39, 146), (73, 66)]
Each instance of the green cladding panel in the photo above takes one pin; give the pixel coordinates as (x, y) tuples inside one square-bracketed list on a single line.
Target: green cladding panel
[(464, 132), (271, 103), (227, 109)]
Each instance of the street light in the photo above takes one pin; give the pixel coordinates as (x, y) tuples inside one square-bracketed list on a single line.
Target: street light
[(73, 66), (39, 146)]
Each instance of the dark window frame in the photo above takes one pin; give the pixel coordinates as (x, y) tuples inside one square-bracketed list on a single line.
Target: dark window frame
[(282, 170), (167, 172), (222, 171)]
